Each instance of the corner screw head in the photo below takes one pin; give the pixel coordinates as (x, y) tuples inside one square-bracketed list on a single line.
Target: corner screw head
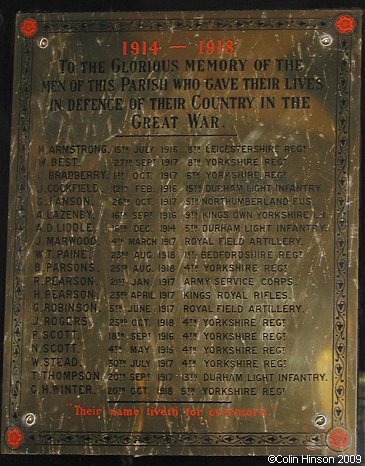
[(43, 43), (320, 420), (326, 40), (29, 419)]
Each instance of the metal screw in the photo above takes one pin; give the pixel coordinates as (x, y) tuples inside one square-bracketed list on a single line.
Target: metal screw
[(29, 419), (43, 42), (320, 420), (326, 40)]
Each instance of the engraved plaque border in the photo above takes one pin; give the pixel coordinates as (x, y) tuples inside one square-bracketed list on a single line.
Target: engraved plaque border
[(341, 238)]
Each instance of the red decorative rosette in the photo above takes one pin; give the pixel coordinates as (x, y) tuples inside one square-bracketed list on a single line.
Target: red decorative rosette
[(338, 439), (14, 437), (345, 24), (28, 27)]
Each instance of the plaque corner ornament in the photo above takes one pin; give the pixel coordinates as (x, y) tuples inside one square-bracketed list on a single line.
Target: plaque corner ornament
[(14, 437), (345, 24), (339, 439), (28, 27)]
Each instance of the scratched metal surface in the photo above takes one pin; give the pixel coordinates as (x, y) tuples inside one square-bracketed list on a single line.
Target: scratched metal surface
[(317, 282)]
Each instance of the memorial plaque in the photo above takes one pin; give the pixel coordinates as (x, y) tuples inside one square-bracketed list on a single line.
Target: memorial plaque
[(183, 234)]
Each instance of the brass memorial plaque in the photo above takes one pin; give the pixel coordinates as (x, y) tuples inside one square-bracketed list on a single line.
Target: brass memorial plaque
[(183, 234)]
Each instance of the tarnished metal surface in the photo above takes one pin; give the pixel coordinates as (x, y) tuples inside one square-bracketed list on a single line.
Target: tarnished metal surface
[(183, 234)]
